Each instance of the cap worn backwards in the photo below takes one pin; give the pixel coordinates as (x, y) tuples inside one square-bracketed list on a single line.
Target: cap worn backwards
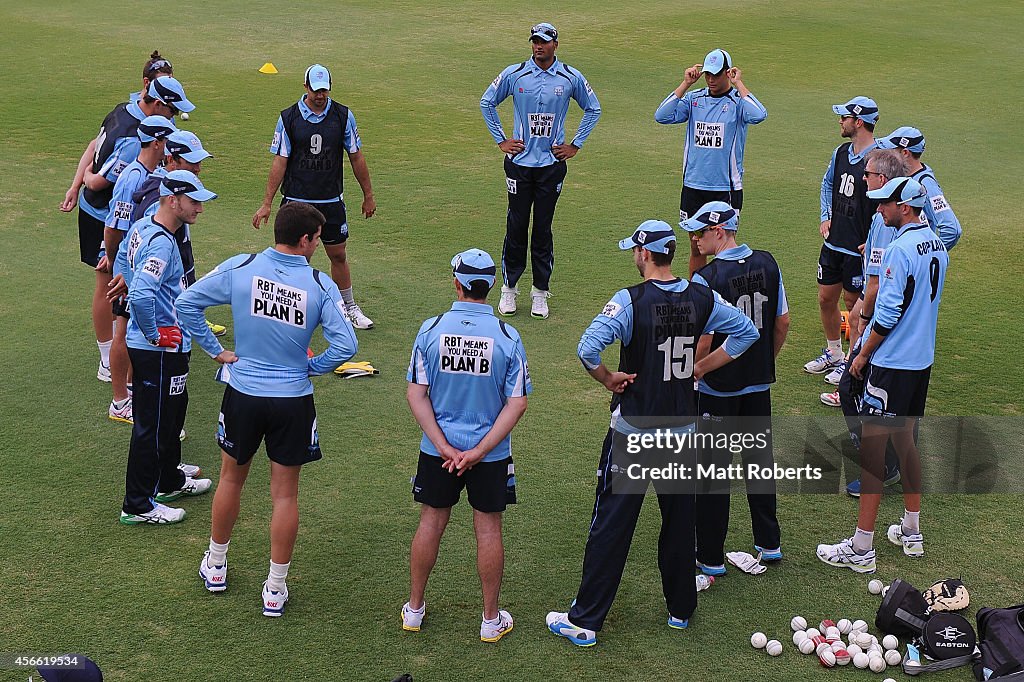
[(712, 214)]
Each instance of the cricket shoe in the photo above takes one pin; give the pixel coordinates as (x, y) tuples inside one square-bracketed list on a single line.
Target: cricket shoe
[(217, 329), (835, 375), (703, 582), (215, 577), (121, 410), (273, 602), (159, 515), (830, 399), (492, 632), (507, 304), (190, 470), (824, 362), (103, 372), (843, 555), (539, 305), (769, 554), (190, 488), (678, 623), (558, 623), (913, 543), (711, 569), (355, 315), (892, 477), (412, 620)]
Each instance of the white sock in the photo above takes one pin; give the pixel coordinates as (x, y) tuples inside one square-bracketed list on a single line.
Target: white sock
[(493, 621), (863, 540), (118, 404), (346, 296), (278, 574), (420, 609), (911, 521), (836, 346), (218, 553), (104, 347)]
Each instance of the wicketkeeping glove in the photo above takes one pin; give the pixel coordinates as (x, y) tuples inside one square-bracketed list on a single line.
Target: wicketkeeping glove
[(169, 337)]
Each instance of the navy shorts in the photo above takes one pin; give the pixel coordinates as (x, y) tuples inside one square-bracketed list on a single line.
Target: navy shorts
[(288, 425), (490, 486), (891, 395), (835, 267), (90, 238), (335, 230), (690, 199)]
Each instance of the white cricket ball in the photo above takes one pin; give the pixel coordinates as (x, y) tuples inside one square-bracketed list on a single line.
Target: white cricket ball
[(844, 626), (758, 640), (798, 637), (184, 116), (893, 657), (807, 647), (852, 637), (859, 626), (888, 679), (861, 661), (774, 648), (827, 658), (822, 646), (876, 663), (854, 649), (798, 623), (884, 591), (837, 647), (890, 642), (864, 640), (812, 633), (832, 634), (875, 586)]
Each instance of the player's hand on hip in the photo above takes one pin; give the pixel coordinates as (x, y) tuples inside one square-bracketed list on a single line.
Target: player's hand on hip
[(226, 357), (826, 227), (616, 382), (261, 217), (511, 146), (117, 288), (70, 200), (369, 206), (564, 152), (167, 337)]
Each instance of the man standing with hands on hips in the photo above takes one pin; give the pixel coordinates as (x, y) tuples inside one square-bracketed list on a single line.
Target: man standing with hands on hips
[(716, 119), (535, 157), (308, 144)]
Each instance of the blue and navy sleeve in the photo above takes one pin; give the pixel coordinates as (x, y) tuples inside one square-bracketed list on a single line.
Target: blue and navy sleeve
[(517, 377), (614, 322), (753, 112), (281, 145), (126, 150), (338, 332), (941, 218), (119, 212), (212, 289), (585, 97), (496, 93), (727, 319), (352, 141), (417, 373), (154, 266), (673, 109), (895, 289), (826, 188)]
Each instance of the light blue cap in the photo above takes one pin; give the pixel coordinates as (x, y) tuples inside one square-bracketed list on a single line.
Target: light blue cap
[(184, 182), (863, 108), (168, 90), (901, 190), (473, 265), (712, 214), (715, 61), (906, 137), (186, 145), (155, 128), (318, 77), (653, 235)]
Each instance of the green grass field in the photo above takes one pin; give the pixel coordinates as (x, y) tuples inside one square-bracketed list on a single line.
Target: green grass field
[(72, 578)]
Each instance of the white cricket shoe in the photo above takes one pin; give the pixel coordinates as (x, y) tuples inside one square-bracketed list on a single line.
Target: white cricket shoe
[(121, 411), (913, 543), (824, 362), (558, 623), (507, 304), (215, 577), (355, 315), (492, 632), (843, 555), (103, 372), (190, 488), (273, 602), (159, 515), (190, 470), (830, 399), (539, 306), (412, 620), (835, 375)]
